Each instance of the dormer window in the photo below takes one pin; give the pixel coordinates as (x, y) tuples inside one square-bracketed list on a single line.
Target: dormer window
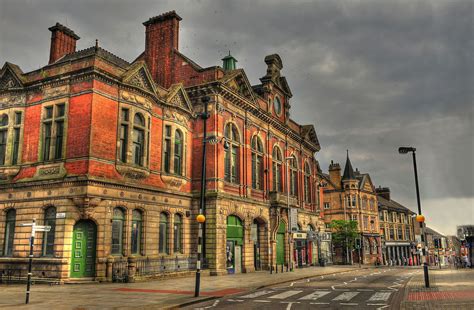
[(277, 106)]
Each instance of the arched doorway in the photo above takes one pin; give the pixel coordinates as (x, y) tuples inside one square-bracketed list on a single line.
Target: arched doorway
[(83, 249), (258, 235), (280, 244), (234, 244)]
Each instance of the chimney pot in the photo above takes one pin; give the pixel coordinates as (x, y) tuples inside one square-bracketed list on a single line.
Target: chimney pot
[(63, 42)]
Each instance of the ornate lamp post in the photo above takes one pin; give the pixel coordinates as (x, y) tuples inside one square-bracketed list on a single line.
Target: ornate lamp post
[(419, 218)]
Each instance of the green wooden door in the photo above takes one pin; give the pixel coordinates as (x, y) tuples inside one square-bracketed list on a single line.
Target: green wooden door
[(280, 245), (83, 250)]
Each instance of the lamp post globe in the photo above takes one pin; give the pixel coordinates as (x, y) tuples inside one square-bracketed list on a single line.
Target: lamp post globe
[(200, 218)]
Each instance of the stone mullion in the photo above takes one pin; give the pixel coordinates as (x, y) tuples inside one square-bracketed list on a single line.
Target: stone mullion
[(127, 233), (171, 234)]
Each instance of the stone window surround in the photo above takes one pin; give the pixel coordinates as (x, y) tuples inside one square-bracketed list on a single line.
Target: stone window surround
[(258, 154), (307, 182), (65, 118), (276, 162), (233, 142), (132, 110), (10, 132), (184, 131)]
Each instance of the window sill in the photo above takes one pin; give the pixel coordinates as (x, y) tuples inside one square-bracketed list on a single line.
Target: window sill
[(174, 181)]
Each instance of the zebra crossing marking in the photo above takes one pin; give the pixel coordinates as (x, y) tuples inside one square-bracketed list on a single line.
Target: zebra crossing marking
[(384, 296), (259, 300), (315, 295), (346, 296), (285, 294), (257, 294)]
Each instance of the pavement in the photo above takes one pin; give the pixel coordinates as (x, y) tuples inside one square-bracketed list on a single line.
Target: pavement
[(449, 289), (155, 294)]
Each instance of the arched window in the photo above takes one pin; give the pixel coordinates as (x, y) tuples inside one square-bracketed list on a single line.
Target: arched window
[(276, 169), (178, 152), (117, 231), (307, 175), (3, 138), (163, 246), (257, 163), (178, 233), (293, 176), (9, 232), (138, 149), (231, 157), (48, 236), (137, 219)]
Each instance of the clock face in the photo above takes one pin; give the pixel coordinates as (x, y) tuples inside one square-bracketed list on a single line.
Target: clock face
[(277, 105)]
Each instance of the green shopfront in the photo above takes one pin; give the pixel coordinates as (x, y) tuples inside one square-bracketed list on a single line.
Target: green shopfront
[(234, 244)]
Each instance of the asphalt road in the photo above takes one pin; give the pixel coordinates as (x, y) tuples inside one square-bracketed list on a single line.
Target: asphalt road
[(361, 289)]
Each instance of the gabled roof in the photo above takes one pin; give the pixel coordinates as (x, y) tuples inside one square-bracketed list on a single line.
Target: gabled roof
[(238, 76), (309, 133), (178, 97), (11, 76), (138, 75), (364, 178)]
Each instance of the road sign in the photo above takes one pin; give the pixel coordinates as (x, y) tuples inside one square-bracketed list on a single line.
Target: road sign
[(42, 228)]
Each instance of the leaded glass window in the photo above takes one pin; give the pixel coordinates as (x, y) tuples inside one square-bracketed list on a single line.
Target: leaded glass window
[(48, 236)]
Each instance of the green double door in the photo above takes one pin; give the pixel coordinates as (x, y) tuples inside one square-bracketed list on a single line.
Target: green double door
[(280, 244), (83, 250)]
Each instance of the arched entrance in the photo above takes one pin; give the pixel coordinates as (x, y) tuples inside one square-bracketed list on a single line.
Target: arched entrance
[(83, 249), (280, 244), (258, 235), (234, 244)]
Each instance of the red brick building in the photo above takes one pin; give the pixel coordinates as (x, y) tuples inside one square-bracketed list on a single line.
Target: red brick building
[(108, 153)]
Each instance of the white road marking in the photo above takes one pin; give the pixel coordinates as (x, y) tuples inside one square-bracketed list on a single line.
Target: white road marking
[(257, 294), (376, 304), (364, 290), (319, 303), (235, 300), (384, 296), (346, 296), (285, 294), (382, 307), (315, 295), (292, 284), (259, 300), (290, 303), (348, 303)]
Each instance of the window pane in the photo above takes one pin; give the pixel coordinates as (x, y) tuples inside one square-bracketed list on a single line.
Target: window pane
[(3, 146), (48, 237), (178, 152), (125, 115), (9, 232), (47, 141), (60, 110), (167, 155), (138, 120), (16, 146), (163, 238), (138, 146), (58, 149), (48, 112), (227, 165), (17, 118), (178, 234), (123, 143)]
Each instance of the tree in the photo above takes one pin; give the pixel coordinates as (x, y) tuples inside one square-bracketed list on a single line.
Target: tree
[(344, 234)]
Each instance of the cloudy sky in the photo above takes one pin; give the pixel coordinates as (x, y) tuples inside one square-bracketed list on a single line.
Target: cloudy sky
[(370, 75)]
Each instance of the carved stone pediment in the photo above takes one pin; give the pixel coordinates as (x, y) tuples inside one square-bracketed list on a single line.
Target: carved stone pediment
[(173, 182), (177, 97), (139, 76), (8, 173), (134, 98), (238, 82), (9, 78), (132, 173)]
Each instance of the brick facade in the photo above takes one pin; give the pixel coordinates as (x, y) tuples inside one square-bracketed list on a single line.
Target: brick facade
[(100, 133)]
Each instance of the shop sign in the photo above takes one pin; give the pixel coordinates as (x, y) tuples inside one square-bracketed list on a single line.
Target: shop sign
[(299, 235), (294, 219)]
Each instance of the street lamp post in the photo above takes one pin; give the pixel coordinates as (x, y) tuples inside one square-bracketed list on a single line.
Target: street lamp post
[(290, 264), (405, 150), (201, 218)]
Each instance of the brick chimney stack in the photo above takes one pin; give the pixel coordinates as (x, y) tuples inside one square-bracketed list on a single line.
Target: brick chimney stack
[(383, 192), (335, 174), (63, 42), (161, 40)]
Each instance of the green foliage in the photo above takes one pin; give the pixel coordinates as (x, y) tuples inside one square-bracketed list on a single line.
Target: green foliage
[(344, 231)]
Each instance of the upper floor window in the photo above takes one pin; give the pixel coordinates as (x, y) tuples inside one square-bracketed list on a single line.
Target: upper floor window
[(277, 105), (133, 138), (173, 150), (307, 175), (372, 205), (9, 232), (354, 201), (54, 117), (48, 237), (276, 169), (372, 223), (366, 222), (364, 203), (3, 138), (257, 163), (381, 217), (293, 176), (178, 152), (327, 205), (231, 156), (137, 219), (400, 233), (392, 233), (118, 222), (394, 217)]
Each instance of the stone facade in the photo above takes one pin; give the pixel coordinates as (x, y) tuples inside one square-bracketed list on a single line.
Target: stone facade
[(113, 150), (348, 197)]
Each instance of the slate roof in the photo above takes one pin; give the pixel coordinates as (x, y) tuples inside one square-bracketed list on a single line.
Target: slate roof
[(348, 170), (392, 205), (94, 51)]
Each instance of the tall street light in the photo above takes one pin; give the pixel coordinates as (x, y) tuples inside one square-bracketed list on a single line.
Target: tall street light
[(290, 231), (201, 218), (420, 218)]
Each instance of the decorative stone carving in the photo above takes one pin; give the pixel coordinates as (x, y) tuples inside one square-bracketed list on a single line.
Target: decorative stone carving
[(8, 173), (173, 182), (131, 97), (139, 79), (173, 115), (52, 171), (55, 91), (86, 205), (220, 108), (8, 80), (10, 100), (132, 172)]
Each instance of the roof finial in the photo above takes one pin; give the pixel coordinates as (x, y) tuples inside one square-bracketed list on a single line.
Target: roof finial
[(96, 44)]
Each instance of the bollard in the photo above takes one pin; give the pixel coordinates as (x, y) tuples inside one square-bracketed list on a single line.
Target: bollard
[(427, 278)]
